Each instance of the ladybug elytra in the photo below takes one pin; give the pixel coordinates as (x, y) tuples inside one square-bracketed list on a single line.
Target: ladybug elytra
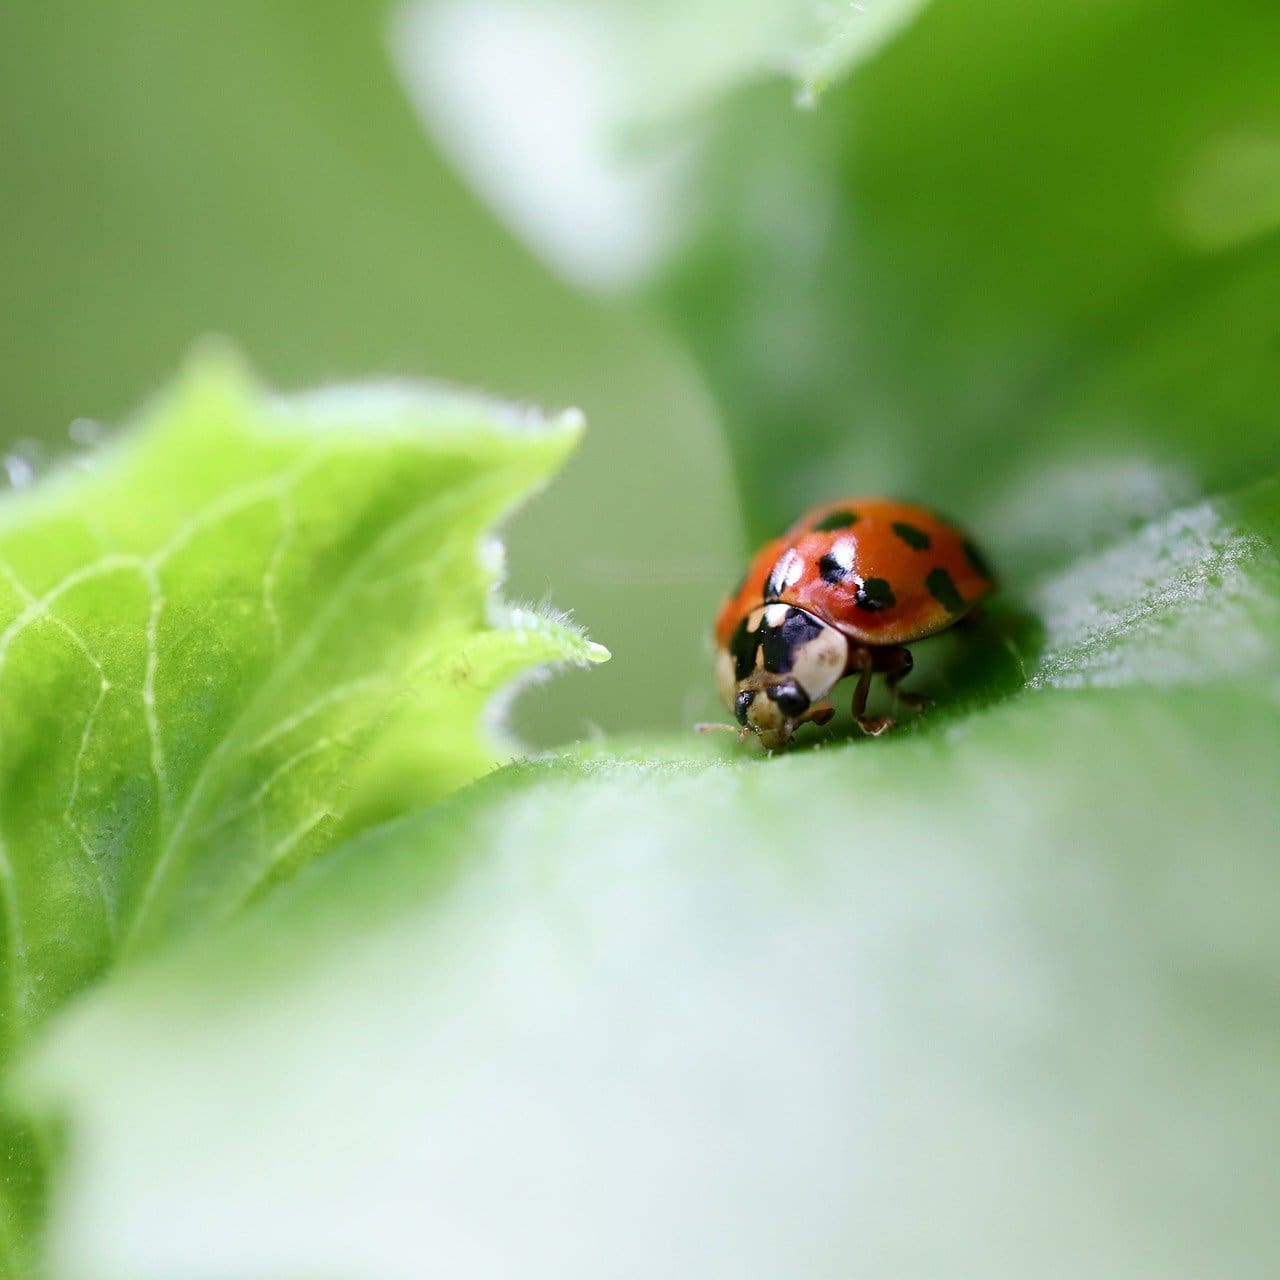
[(842, 592)]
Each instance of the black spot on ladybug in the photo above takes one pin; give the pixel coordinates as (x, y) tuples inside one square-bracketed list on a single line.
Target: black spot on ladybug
[(976, 561), (873, 594), (832, 570), (742, 646), (913, 537), (791, 699), (836, 520), (779, 644), (943, 589)]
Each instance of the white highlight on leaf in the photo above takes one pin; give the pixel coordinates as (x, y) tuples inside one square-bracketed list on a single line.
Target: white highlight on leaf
[(288, 530), (287, 766), (277, 775), (532, 103), (337, 694), (1173, 603), (68, 813), (19, 470), (149, 689), (581, 121), (288, 843), (846, 33), (86, 432), (39, 607), (1093, 500), (409, 408)]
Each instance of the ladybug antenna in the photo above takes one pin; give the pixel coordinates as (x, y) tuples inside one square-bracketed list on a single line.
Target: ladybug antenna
[(714, 727)]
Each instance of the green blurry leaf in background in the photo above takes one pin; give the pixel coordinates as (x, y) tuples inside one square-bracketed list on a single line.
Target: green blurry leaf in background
[(254, 627), (580, 122), (1014, 254)]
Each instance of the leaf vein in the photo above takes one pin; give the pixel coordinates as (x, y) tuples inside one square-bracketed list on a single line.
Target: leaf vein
[(297, 653)]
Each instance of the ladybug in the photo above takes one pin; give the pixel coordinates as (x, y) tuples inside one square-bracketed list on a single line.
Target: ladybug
[(842, 592)]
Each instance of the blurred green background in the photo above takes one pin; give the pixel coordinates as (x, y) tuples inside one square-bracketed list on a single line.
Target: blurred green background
[(256, 170)]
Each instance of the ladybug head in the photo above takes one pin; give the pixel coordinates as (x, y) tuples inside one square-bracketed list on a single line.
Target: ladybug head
[(778, 669), (771, 711)]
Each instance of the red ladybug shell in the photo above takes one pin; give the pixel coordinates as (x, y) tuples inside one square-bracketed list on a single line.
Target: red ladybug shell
[(880, 571)]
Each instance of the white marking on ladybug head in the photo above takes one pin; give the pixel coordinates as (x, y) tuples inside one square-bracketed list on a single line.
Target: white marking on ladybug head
[(817, 664), (772, 703)]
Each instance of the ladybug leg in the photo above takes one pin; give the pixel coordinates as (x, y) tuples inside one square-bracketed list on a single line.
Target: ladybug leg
[(819, 713), (916, 701), (872, 726)]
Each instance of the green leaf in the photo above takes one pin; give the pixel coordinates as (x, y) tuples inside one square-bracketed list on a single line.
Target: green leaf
[(260, 623), (986, 996), (253, 627), (1006, 264)]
